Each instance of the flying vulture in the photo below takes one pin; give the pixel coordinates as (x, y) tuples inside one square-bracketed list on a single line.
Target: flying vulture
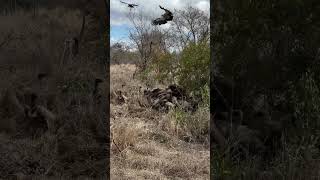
[(167, 16), (129, 5)]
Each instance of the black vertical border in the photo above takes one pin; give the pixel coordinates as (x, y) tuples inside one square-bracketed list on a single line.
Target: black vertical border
[(107, 64), (212, 17), (108, 79)]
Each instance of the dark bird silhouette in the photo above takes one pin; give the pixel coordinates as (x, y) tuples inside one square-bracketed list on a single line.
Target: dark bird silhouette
[(129, 5), (167, 16)]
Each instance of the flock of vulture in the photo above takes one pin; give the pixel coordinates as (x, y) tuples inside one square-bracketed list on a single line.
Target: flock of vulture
[(167, 16)]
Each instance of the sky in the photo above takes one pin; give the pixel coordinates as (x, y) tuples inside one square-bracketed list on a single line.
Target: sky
[(120, 25)]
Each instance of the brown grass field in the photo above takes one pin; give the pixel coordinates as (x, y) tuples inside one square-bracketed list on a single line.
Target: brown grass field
[(147, 144)]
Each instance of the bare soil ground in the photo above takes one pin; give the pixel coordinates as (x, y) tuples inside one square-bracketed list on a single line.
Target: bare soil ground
[(146, 143)]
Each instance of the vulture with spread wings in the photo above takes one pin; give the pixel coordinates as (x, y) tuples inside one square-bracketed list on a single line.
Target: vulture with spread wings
[(129, 5), (167, 16)]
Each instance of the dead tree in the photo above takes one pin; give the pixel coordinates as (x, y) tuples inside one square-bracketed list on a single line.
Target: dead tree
[(190, 25), (142, 38)]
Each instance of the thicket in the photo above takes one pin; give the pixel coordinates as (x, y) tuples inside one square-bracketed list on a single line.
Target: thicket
[(271, 49)]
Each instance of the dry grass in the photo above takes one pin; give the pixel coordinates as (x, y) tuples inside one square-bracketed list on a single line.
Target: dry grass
[(146, 143), (77, 148)]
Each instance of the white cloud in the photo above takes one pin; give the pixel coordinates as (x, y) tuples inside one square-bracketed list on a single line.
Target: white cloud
[(118, 21), (151, 8), (165, 26), (119, 12), (204, 6)]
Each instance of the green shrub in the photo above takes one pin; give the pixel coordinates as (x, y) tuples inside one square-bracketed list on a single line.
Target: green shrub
[(194, 70), (164, 66), (146, 77)]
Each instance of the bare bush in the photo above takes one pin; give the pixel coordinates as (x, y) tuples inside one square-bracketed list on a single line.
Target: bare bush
[(190, 25), (141, 36)]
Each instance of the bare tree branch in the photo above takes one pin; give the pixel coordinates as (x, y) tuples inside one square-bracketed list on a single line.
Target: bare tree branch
[(9, 37)]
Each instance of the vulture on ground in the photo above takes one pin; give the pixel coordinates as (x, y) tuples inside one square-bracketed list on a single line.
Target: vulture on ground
[(167, 16)]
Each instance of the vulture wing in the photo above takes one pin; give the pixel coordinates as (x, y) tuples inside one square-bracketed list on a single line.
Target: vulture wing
[(123, 2), (159, 21), (167, 16)]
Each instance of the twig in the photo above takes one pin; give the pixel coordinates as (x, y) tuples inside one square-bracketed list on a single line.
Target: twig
[(116, 146), (49, 169), (7, 39)]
